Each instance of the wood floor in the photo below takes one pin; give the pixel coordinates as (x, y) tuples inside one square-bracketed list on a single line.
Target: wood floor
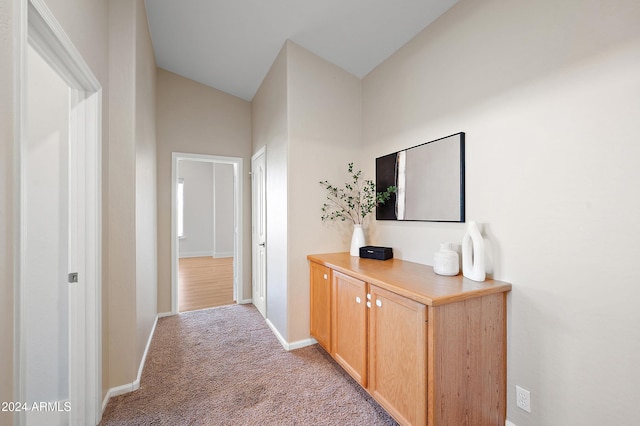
[(205, 282)]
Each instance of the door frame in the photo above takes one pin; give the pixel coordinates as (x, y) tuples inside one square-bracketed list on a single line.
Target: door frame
[(36, 26), (238, 184)]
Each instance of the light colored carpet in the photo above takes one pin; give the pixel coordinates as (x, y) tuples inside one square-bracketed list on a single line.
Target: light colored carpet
[(223, 366)]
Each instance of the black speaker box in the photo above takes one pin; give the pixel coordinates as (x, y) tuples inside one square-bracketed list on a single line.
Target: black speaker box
[(374, 252)]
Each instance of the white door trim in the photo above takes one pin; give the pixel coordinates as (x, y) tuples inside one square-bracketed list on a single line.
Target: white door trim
[(37, 26), (238, 185)]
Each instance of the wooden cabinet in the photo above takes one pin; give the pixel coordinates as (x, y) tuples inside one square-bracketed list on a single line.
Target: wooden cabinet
[(398, 355), (349, 320), (430, 349), (320, 310)]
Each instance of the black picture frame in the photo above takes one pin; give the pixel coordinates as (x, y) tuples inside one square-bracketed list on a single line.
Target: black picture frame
[(430, 181)]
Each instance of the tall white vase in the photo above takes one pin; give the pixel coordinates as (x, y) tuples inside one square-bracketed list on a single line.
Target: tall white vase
[(473, 266), (357, 240)]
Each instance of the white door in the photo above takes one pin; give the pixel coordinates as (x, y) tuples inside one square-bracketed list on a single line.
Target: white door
[(50, 243), (258, 233)]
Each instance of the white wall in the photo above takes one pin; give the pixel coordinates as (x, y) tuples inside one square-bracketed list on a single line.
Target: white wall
[(198, 208), (223, 206), (547, 93)]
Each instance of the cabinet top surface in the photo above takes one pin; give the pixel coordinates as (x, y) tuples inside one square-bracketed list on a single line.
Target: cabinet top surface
[(409, 279)]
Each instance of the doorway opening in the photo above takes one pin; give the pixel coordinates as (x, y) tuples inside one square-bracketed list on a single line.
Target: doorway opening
[(206, 234)]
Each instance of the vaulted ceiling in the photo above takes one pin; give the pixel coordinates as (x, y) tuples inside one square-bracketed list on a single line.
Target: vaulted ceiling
[(231, 44)]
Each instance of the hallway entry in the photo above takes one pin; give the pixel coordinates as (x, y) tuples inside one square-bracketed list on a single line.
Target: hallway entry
[(205, 234), (206, 211)]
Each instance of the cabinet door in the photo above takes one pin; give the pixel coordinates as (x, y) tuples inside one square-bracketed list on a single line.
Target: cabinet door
[(320, 320), (398, 355), (349, 332)]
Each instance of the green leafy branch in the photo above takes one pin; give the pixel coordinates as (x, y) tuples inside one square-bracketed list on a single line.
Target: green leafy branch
[(355, 200)]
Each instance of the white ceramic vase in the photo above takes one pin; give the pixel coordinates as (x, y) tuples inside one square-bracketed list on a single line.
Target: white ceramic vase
[(357, 240), (446, 261), (473, 266)]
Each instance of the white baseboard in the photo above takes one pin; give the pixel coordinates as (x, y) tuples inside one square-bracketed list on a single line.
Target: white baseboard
[(302, 343), (196, 254), (115, 391), (135, 385), (508, 423), (244, 301), (290, 346), (221, 254), (146, 351)]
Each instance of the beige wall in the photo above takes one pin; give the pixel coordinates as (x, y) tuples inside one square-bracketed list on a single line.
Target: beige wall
[(308, 114), (145, 183), (7, 98), (87, 25), (194, 118), (325, 117), (132, 191), (269, 127), (547, 94), (122, 191)]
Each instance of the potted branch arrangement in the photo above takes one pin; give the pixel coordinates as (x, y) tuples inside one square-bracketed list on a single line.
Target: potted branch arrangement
[(353, 202)]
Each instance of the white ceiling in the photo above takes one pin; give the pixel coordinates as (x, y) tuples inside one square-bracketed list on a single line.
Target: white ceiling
[(231, 44)]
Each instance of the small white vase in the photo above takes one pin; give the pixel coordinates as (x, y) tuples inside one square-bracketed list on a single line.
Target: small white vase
[(446, 261), (473, 253), (357, 240)]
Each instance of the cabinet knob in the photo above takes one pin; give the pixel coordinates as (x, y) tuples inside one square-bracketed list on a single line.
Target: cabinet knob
[(378, 303), (325, 276), (368, 296), (368, 304), (358, 300)]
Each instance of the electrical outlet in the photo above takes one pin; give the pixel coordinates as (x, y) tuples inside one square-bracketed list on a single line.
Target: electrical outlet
[(523, 399)]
